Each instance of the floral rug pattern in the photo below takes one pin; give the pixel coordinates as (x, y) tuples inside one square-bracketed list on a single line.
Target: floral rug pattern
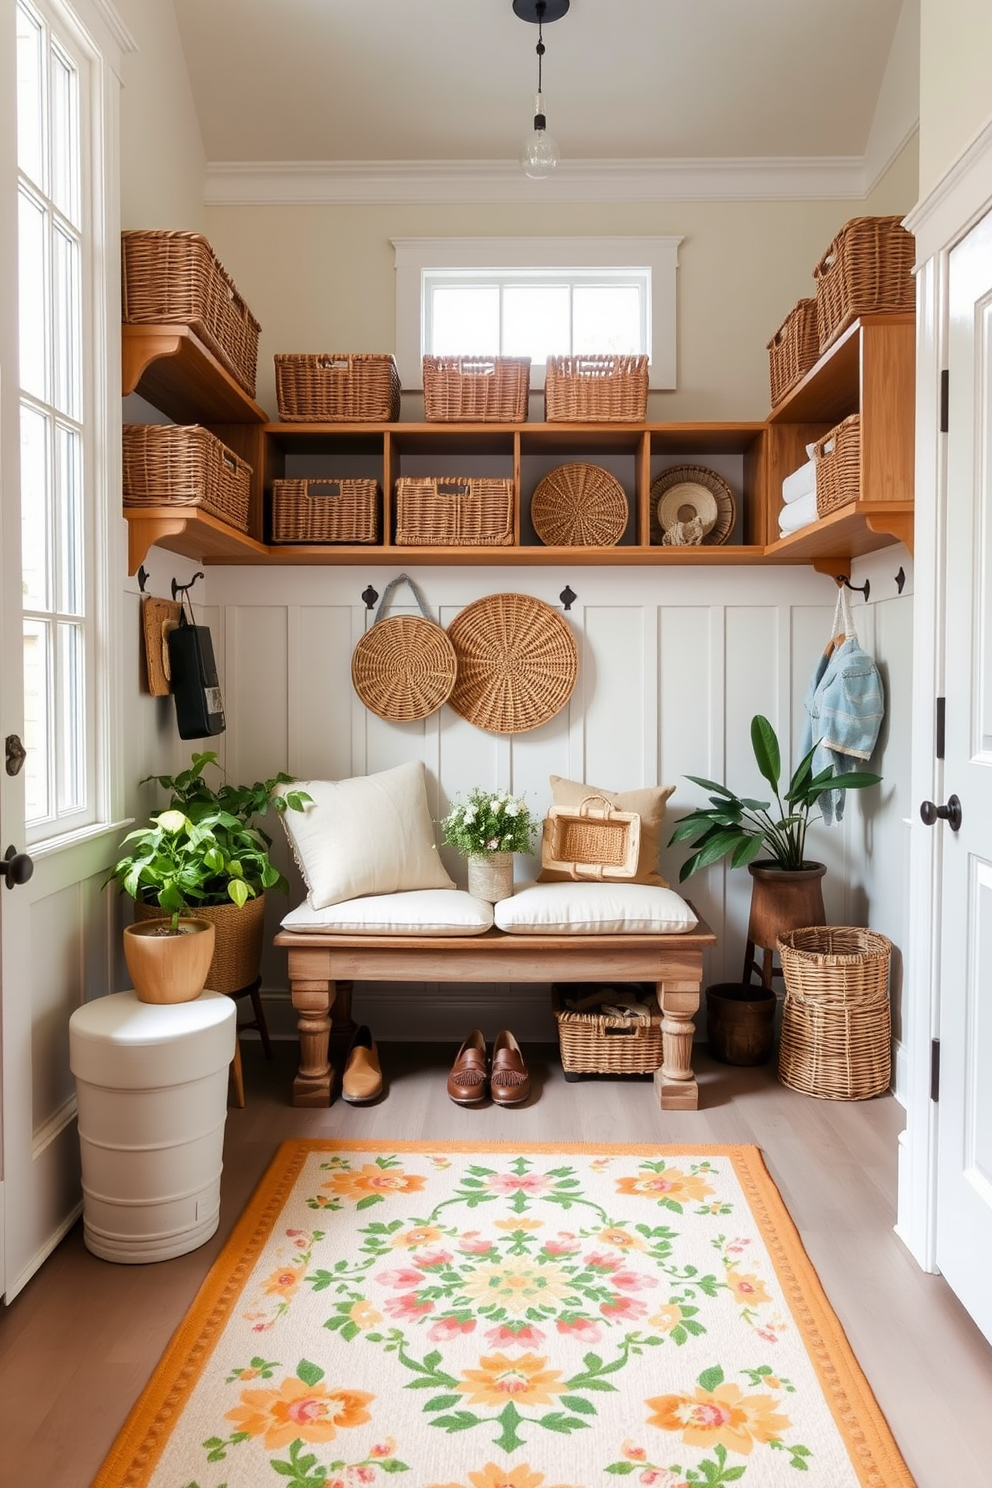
[(516, 1318)]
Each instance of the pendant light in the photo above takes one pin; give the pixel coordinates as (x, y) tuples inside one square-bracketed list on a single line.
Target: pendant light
[(539, 152)]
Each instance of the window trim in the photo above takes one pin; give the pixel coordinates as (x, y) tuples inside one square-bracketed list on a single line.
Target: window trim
[(415, 255)]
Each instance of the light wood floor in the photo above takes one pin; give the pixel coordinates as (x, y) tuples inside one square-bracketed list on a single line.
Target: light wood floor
[(79, 1342)]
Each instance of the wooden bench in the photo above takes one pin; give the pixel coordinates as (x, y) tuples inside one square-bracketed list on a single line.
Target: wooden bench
[(322, 967)]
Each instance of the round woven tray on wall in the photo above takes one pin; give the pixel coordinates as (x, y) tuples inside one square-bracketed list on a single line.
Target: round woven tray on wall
[(579, 506), (404, 666), (836, 1033), (517, 663)]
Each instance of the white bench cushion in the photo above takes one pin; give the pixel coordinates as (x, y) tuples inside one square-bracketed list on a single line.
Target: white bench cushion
[(418, 912), (594, 909)]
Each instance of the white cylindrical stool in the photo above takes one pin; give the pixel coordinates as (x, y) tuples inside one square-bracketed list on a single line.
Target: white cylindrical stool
[(151, 1088)]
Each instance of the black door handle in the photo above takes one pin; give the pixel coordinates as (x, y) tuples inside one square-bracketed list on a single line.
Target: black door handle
[(951, 813), (16, 867)]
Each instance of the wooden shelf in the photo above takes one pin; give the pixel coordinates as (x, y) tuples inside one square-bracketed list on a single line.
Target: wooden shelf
[(191, 532), (831, 388), (851, 532), (170, 367)]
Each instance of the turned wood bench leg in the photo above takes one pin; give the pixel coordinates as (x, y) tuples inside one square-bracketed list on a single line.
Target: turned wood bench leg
[(675, 1085), (314, 1083)]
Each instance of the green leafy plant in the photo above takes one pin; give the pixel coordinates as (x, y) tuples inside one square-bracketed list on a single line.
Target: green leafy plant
[(489, 822), (747, 829), (196, 797)]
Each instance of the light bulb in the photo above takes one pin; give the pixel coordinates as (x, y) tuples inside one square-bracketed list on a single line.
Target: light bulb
[(539, 151)]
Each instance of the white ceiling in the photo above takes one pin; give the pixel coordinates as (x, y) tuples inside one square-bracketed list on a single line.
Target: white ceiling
[(422, 80)]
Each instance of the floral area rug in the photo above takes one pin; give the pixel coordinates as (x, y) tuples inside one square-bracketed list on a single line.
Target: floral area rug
[(494, 1316)]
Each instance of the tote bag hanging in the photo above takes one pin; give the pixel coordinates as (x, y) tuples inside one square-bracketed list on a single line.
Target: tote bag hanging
[(404, 666)]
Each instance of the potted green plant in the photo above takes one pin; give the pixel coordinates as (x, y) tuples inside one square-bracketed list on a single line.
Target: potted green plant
[(488, 828)]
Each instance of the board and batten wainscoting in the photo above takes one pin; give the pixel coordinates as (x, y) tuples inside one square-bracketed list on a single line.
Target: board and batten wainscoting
[(673, 664)]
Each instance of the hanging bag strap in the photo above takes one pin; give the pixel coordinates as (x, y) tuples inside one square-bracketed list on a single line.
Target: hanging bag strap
[(844, 628), (418, 595)]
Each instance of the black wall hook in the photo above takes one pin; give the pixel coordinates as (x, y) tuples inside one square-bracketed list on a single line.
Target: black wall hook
[(178, 589), (143, 577), (864, 588), (901, 579), (370, 596), (567, 597)]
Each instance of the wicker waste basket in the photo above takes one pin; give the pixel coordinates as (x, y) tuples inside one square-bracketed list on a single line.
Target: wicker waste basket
[(836, 1033)]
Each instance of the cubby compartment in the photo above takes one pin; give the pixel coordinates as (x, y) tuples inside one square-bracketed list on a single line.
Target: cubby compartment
[(617, 451)]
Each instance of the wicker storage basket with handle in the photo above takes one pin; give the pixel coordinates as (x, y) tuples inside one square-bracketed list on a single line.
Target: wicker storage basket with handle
[(476, 389), (454, 511), (838, 466), (337, 387), (185, 465), (596, 389), (404, 666), (836, 1034), (605, 1043), (315, 510), (793, 349), (867, 269), (594, 841)]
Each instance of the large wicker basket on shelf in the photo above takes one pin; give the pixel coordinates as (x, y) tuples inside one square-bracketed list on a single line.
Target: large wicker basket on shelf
[(838, 466), (596, 389), (836, 1034), (171, 278), (337, 387), (185, 465), (454, 511), (596, 1043), (867, 269), (325, 511), (476, 389), (793, 349)]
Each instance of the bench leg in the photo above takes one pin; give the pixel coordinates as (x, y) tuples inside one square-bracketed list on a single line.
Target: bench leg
[(314, 1083), (675, 1084)]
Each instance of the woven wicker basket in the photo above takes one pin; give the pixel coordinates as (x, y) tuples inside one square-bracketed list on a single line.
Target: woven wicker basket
[(838, 466), (185, 465), (476, 389), (579, 506), (337, 387), (868, 268), (836, 1034), (793, 349), (592, 841), (603, 1044), (325, 511), (517, 663), (454, 511), (170, 278), (596, 389), (404, 666)]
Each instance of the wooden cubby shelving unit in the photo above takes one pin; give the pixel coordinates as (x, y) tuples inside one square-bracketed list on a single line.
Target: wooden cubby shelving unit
[(870, 369)]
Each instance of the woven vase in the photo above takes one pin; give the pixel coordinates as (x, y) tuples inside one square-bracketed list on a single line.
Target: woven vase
[(491, 877)]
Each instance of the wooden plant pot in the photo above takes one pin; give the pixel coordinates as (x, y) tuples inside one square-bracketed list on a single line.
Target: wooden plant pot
[(168, 968), (740, 1022), (238, 936), (783, 899)]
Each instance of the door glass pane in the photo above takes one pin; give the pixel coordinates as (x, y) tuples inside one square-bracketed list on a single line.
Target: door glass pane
[(535, 321), (30, 97), (69, 754), (465, 320), (65, 302), (35, 536), (65, 141), (69, 520), (607, 318), (37, 675), (31, 295)]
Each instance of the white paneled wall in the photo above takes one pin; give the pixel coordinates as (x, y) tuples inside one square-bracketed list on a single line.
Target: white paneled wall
[(673, 665)]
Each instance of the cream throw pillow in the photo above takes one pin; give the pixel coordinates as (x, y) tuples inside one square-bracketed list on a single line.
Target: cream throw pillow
[(371, 834), (594, 909), (649, 803)]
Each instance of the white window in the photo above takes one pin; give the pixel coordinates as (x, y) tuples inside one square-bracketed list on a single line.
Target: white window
[(536, 297)]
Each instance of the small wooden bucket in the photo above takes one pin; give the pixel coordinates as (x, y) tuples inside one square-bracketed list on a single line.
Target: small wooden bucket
[(740, 1022)]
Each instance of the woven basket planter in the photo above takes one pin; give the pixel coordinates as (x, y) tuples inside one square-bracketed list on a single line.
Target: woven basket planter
[(325, 511), (603, 1044), (185, 465), (867, 269), (793, 349), (596, 389), (170, 278), (838, 466), (836, 1031), (476, 389), (337, 387), (454, 511), (579, 506)]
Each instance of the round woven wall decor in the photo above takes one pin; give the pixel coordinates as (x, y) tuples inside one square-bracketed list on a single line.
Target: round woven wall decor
[(517, 663), (688, 492), (579, 506), (404, 666)]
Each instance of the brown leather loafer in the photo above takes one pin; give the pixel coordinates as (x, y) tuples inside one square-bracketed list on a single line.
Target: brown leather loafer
[(467, 1083), (509, 1082), (362, 1078)]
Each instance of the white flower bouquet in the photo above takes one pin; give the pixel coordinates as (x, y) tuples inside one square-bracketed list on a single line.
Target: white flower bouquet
[(489, 822)]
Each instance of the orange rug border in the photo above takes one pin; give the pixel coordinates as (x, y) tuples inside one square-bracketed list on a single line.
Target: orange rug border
[(875, 1457)]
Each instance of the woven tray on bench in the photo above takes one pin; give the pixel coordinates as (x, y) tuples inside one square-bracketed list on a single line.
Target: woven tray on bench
[(592, 841)]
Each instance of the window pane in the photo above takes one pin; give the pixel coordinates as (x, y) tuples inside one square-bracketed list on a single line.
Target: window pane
[(69, 520), (66, 391), (69, 754), (607, 317), (31, 284), (465, 320), (34, 509), (30, 97), (37, 672), (535, 321), (65, 137)]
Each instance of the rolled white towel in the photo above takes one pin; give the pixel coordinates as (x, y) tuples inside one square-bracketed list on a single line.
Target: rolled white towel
[(797, 514), (799, 483)]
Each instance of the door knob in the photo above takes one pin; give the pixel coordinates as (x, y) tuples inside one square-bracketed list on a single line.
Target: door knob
[(16, 867), (951, 813), (16, 754)]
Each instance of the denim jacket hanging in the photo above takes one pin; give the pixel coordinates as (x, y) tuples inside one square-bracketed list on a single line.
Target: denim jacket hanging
[(844, 709)]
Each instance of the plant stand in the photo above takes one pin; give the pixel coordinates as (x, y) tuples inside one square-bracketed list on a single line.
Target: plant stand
[(781, 900)]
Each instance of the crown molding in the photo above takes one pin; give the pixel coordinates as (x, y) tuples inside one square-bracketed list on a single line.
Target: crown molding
[(397, 182), (957, 201)]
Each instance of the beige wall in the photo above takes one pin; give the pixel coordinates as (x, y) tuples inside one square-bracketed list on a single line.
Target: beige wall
[(955, 86)]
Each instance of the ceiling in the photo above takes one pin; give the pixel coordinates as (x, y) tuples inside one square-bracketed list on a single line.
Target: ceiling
[(420, 80)]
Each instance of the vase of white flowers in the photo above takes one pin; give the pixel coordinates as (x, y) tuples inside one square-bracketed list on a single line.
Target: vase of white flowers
[(489, 827)]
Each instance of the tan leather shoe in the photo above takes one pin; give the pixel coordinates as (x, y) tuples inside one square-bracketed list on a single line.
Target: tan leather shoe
[(509, 1082), (467, 1083), (362, 1078)]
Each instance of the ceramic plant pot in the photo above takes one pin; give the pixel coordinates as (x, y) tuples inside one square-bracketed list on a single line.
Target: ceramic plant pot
[(168, 968), (491, 877), (238, 935)]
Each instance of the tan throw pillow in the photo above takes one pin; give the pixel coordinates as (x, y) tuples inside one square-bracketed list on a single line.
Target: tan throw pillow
[(649, 803), (371, 834)]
